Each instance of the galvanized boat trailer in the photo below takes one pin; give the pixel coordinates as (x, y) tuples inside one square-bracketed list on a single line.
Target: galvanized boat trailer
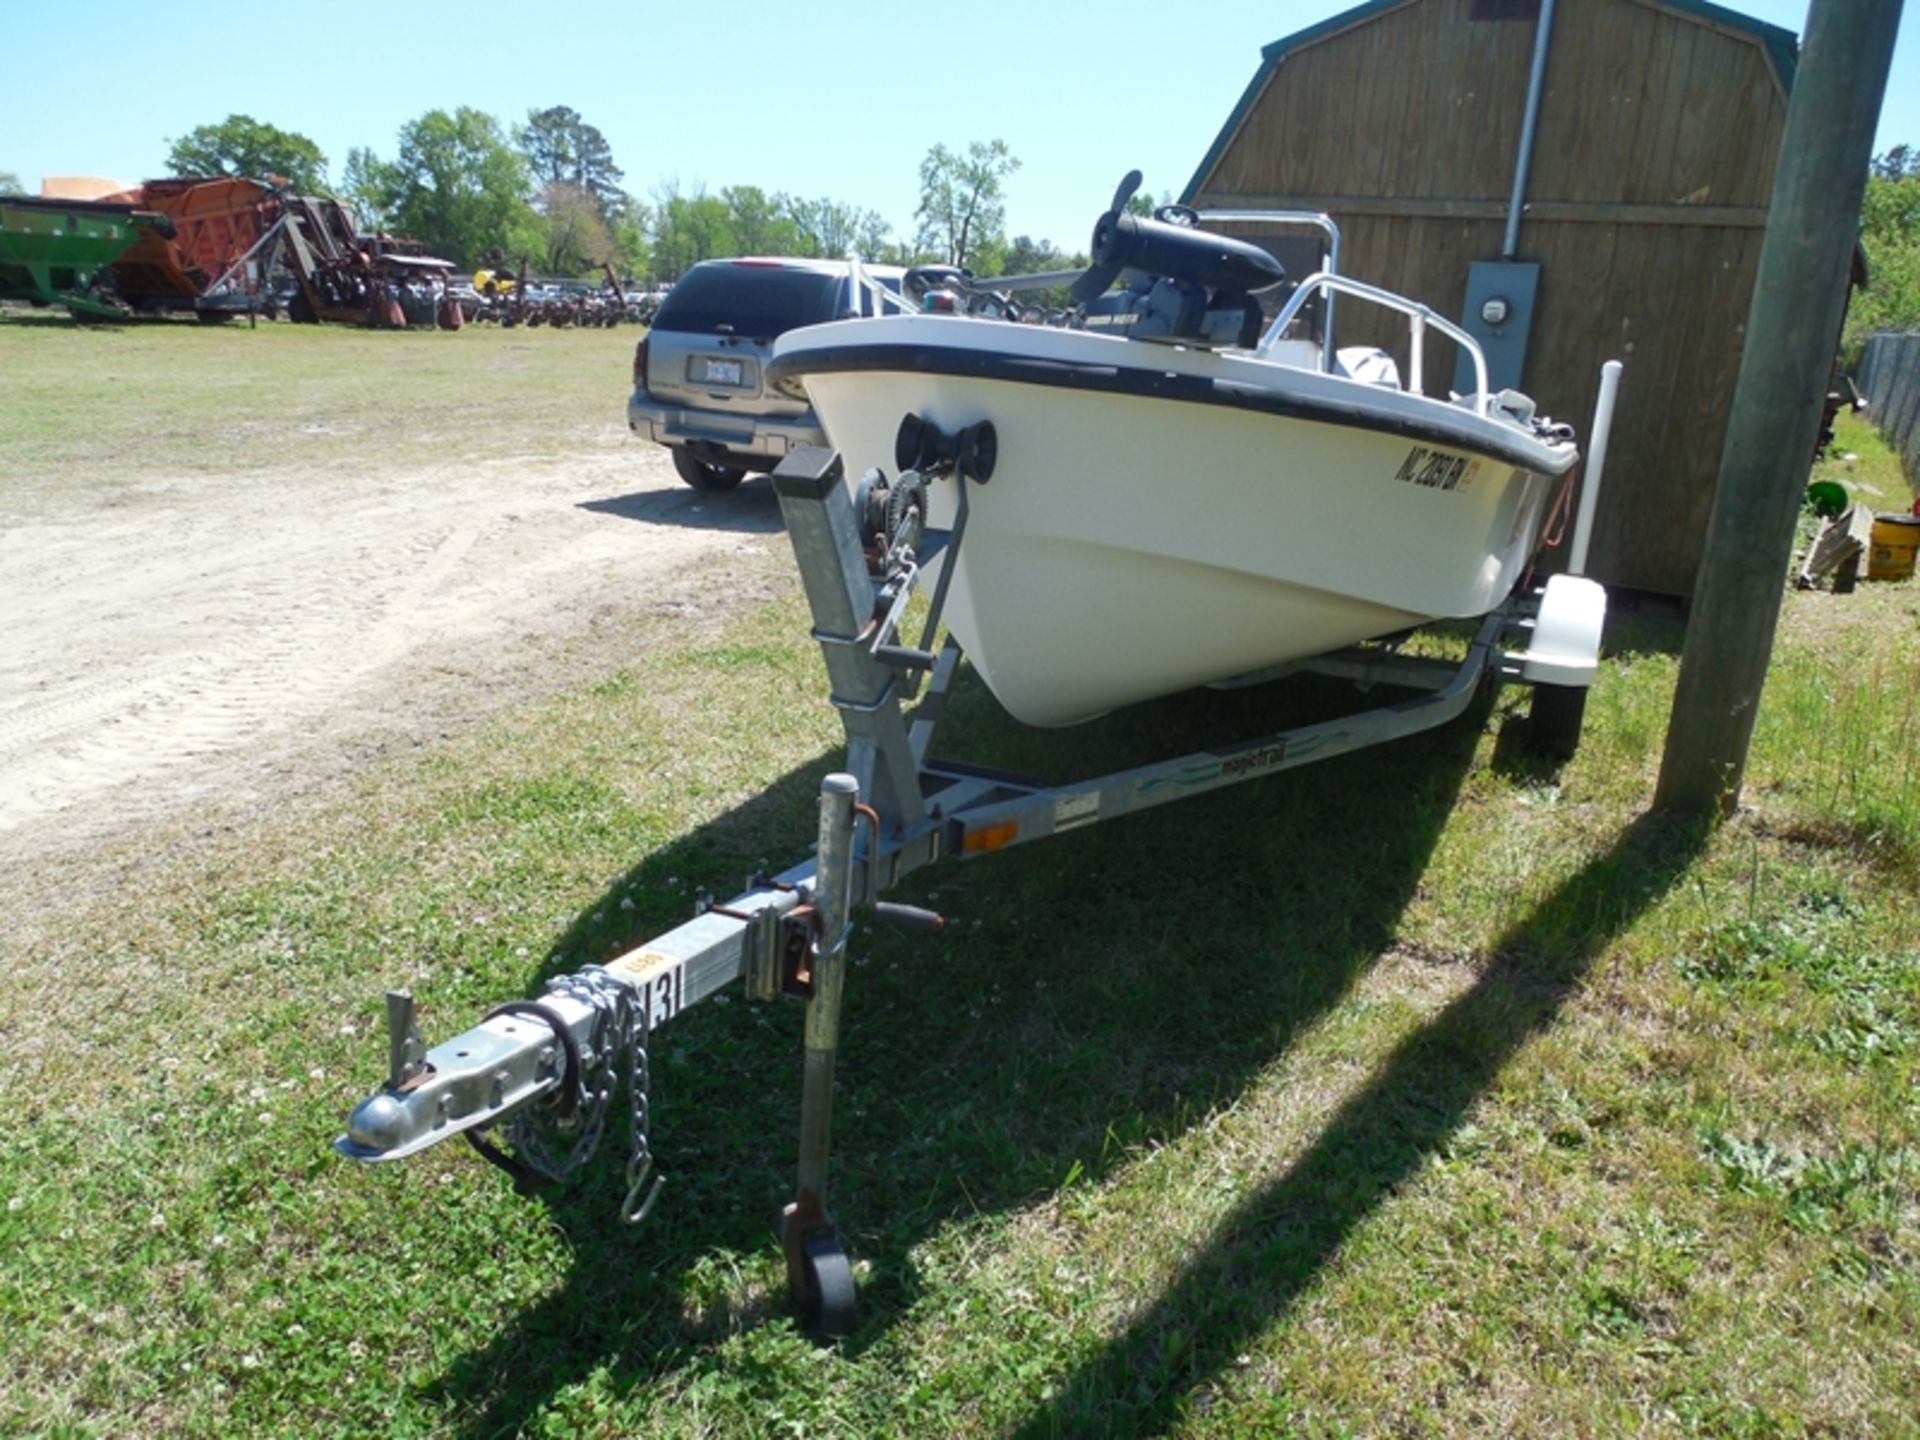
[(544, 1072)]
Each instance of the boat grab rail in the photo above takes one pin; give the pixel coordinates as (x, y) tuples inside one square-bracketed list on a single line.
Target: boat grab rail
[(1317, 219), (1419, 317), (863, 281)]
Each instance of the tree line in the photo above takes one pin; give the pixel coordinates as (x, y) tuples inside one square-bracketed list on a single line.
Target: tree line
[(467, 186), (1890, 236)]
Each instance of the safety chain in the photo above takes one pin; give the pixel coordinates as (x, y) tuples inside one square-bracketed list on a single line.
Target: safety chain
[(557, 1146)]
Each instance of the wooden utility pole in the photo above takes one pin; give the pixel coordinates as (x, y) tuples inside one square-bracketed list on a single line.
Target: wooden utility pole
[(1799, 297)]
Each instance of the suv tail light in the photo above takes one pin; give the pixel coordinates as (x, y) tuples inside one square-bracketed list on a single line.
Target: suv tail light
[(640, 364)]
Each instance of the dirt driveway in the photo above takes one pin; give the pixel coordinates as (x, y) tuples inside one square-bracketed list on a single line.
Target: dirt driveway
[(198, 642)]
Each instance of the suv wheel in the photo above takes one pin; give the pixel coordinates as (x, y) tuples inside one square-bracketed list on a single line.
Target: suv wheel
[(702, 476)]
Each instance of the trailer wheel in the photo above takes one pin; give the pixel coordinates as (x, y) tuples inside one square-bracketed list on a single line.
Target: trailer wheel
[(827, 1309), (300, 309), (1554, 720), (702, 476)]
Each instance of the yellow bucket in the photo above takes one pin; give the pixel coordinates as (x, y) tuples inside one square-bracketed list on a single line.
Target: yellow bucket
[(1890, 550)]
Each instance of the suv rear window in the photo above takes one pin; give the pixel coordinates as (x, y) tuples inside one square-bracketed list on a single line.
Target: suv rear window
[(758, 301)]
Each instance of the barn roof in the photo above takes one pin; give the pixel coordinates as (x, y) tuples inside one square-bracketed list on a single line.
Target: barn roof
[(1782, 49)]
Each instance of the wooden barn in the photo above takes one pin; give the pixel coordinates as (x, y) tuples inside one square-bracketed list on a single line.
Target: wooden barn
[(1657, 130)]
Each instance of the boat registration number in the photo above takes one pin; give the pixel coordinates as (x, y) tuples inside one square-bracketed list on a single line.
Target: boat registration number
[(1437, 470), (724, 372)]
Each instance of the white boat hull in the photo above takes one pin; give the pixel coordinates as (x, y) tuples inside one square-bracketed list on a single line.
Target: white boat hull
[(1130, 546)]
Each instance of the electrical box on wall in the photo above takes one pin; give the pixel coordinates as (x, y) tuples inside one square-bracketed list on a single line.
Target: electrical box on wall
[(1499, 315)]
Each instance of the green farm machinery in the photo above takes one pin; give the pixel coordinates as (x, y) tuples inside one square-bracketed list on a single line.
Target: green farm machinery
[(53, 252)]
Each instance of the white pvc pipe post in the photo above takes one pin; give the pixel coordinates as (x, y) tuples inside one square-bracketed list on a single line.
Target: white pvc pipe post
[(1596, 463)]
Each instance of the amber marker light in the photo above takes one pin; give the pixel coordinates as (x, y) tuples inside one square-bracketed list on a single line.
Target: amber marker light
[(993, 837)]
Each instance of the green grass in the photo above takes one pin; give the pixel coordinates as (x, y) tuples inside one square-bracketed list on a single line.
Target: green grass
[(125, 404), (1427, 1091), (1873, 472)]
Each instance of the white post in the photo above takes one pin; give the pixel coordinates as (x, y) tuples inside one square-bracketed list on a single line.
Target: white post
[(1596, 463)]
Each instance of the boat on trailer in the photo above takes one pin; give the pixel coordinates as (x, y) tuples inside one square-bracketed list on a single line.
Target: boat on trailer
[(1184, 494), (539, 1076)]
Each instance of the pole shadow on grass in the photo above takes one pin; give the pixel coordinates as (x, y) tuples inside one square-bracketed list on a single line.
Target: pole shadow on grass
[(752, 509), (1279, 1239), (1105, 989)]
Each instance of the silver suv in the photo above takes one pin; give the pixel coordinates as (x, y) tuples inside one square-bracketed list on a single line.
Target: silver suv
[(697, 375)]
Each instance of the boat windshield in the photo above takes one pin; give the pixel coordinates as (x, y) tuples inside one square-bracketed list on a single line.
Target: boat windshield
[(761, 301)]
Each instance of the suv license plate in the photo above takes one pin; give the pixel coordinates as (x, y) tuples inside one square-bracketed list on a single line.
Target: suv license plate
[(723, 372)]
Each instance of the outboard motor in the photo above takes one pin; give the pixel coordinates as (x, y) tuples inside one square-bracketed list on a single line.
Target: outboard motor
[(1188, 284)]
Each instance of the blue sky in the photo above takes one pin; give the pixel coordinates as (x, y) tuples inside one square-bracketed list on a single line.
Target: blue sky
[(815, 99)]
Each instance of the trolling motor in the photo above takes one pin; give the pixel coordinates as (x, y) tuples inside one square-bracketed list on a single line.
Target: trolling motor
[(1186, 284)]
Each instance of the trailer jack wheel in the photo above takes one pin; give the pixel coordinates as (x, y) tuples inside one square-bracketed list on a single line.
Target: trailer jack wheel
[(825, 1299)]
